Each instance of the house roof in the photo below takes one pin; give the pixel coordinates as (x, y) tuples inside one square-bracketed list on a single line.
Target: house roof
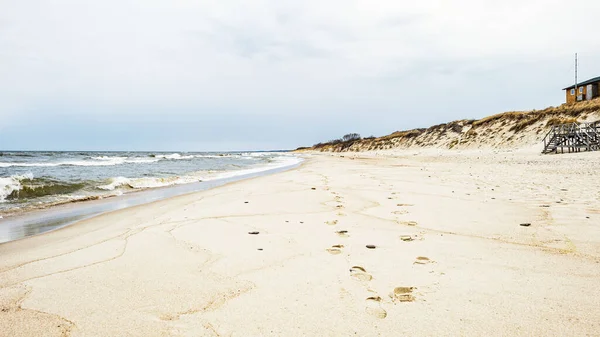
[(590, 81)]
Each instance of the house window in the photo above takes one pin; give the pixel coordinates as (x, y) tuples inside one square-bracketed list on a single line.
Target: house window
[(572, 92), (581, 90)]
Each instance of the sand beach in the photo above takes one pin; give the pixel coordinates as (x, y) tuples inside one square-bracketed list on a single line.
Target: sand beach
[(389, 243)]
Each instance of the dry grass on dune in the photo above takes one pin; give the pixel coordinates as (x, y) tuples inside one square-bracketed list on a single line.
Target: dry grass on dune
[(509, 129)]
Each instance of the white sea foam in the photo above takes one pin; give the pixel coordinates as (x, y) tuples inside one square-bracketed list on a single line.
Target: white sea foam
[(112, 161), (278, 162), (11, 184), (28, 164), (107, 161), (147, 182), (115, 183), (262, 154), (142, 160), (142, 183), (213, 156), (154, 182), (174, 156), (107, 158)]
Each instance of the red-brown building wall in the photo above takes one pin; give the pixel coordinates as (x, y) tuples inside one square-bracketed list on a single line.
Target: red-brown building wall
[(573, 98)]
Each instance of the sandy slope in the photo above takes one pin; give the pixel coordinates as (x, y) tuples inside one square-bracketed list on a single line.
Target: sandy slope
[(188, 267), (507, 131)]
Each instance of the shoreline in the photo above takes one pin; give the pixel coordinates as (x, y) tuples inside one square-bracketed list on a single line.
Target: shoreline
[(53, 217), (387, 244)]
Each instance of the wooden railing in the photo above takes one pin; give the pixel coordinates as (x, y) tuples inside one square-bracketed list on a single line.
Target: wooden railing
[(587, 134)]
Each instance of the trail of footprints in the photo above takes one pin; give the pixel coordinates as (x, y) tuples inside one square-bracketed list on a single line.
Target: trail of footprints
[(373, 304)]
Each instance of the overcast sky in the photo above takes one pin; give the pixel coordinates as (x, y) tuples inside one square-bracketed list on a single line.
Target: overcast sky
[(276, 74)]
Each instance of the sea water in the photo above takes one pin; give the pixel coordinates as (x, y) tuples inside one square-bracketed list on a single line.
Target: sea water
[(34, 180)]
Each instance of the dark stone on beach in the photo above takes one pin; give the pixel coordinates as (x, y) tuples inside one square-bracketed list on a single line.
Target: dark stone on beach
[(245, 202), (253, 233), (525, 224), (371, 246), (313, 188), (260, 249), (301, 221)]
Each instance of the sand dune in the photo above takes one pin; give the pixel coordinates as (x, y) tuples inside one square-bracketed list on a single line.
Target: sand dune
[(509, 130), (381, 244)]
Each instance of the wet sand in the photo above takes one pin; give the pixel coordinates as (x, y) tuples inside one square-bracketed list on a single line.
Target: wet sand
[(18, 226), (385, 244)]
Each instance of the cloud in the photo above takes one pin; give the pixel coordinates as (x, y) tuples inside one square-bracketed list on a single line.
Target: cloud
[(402, 64)]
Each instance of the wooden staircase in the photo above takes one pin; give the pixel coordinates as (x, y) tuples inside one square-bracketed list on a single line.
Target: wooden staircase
[(574, 137)]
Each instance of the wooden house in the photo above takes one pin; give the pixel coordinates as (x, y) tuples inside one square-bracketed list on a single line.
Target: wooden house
[(583, 91)]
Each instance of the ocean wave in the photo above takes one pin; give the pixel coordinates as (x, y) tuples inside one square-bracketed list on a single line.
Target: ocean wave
[(217, 156), (20, 187), (8, 185), (174, 156), (31, 192), (154, 182), (141, 161), (120, 160), (260, 154), (107, 158), (108, 161), (275, 163), (147, 182), (114, 183)]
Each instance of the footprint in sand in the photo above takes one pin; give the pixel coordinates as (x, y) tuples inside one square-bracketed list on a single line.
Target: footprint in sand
[(403, 294), (422, 260), (400, 212), (343, 234), (359, 273), (335, 249), (374, 307), (404, 205), (332, 222), (408, 223)]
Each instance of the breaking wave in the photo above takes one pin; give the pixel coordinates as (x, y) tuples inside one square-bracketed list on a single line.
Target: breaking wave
[(11, 184), (20, 187)]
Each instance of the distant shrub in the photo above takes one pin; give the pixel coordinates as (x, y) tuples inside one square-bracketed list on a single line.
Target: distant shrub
[(350, 137), (346, 141)]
